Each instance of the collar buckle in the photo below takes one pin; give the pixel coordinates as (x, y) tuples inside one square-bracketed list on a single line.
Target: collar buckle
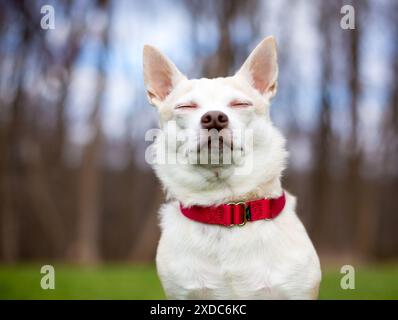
[(246, 212)]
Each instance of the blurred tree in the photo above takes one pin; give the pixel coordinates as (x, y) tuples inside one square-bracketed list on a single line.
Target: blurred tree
[(387, 222), (354, 153), (225, 14), (323, 134), (86, 248)]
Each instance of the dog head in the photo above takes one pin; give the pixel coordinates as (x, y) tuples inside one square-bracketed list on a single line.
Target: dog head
[(218, 130)]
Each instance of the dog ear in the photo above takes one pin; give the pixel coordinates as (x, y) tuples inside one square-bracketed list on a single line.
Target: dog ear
[(160, 74), (261, 67)]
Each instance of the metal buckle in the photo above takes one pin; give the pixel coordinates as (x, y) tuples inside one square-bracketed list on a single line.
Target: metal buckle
[(245, 208)]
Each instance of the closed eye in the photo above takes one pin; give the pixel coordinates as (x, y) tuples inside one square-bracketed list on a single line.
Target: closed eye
[(240, 104), (186, 106)]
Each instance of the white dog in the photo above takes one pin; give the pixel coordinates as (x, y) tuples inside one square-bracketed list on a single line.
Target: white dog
[(229, 231)]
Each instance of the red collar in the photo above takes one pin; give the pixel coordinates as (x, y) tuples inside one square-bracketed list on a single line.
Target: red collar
[(236, 213)]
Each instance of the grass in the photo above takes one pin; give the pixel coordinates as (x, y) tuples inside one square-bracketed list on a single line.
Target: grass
[(371, 282), (72, 282), (141, 282)]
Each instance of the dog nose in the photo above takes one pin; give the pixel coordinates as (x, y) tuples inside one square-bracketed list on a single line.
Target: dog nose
[(214, 120)]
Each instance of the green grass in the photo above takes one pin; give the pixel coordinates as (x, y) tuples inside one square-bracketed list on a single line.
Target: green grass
[(371, 282), (141, 282), (73, 282)]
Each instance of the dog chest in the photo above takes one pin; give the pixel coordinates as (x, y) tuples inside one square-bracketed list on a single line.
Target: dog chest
[(262, 260)]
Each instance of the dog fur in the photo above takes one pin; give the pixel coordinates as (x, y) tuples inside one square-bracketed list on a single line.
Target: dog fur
[(271, 259)]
